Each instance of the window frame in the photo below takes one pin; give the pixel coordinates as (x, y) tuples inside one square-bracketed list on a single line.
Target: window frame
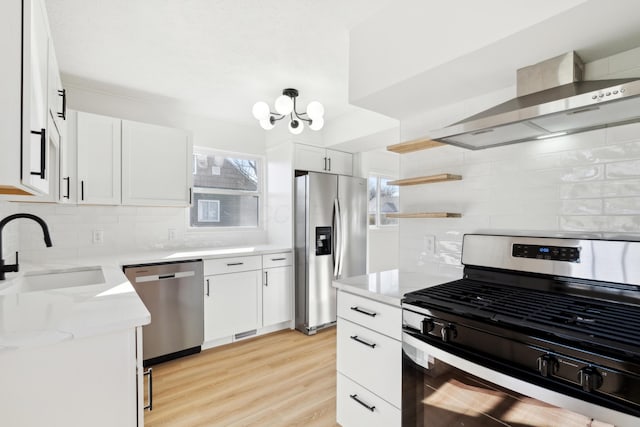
[(377, 213), (259, 192)]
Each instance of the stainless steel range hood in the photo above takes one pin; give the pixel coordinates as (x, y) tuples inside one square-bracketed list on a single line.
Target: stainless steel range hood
[(552, 101)]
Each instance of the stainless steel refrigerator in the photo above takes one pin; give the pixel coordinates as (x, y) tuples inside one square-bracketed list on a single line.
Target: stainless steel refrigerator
[(330, 242)]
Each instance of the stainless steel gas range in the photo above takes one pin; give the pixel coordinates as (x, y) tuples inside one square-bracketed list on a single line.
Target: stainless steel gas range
[(540, 331)]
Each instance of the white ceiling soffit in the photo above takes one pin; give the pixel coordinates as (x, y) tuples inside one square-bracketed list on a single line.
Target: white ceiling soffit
[(214, 57), (493, 67)]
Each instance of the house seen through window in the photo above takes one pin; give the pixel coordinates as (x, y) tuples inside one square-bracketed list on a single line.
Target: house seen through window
[(226, 189), (383, 198)]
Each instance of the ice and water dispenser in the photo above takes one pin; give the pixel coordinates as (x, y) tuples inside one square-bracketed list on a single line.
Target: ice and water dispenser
[(323, 241)]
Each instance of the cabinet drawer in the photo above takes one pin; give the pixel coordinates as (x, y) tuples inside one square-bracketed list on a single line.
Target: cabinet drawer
[(375, 315), (277, 260), (371, 359), (351, 411), (232, 265)]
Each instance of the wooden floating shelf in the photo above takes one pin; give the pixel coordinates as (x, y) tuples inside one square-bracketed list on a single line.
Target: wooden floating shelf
[(424, 215), (414, 145), (426, 179)]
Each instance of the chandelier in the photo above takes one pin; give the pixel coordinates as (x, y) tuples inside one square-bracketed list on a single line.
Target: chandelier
[(286, 106)]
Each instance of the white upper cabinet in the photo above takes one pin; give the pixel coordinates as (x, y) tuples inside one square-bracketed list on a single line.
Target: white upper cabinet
[(26, 63), (57, 94), (156, 165), (98, 150), (317, 159)]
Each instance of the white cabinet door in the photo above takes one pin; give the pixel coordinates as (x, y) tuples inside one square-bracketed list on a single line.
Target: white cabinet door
[(310, 158), (277, 295), (231, 304), (156, 165), (57, 98), (37, 172), (98, 145), (69, 184), (339, 162)]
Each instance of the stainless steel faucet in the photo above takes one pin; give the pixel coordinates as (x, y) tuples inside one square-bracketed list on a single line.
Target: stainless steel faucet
[(47, 240)]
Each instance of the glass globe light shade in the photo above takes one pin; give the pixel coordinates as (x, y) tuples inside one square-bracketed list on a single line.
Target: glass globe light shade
[(315, 110), (284, 105), (266, 124), (316, 124), (260, 110), (296, 127)]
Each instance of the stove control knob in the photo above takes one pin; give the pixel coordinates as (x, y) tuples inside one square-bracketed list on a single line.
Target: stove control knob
[(427, 325), (448, 333), (589, 378), (547, 365)]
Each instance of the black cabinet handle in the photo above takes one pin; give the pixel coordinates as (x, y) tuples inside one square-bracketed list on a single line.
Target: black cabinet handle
[(368, 313), (190, 196), (63, 94), (278, 259), (266, 278), (325, 164), (149, 373), (361, 341), (355, 397), (43, 154), (231, 264), (207, 287), (68, 179), (329, 164), (82, 190)]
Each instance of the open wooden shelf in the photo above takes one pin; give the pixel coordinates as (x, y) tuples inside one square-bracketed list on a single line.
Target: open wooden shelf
[(424, 215), (426, 179), (414, 145)]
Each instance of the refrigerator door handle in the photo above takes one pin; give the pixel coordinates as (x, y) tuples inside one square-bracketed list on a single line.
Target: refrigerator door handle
[(341, 240), (337, 237)]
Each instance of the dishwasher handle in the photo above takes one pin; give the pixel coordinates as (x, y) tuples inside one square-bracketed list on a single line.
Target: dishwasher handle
[(168, 276)]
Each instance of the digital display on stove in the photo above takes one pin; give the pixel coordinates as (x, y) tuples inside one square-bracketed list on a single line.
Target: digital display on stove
[(551, 253)]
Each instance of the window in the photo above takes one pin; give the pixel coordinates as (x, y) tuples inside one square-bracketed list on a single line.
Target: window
[(226, 189), (383, 198)]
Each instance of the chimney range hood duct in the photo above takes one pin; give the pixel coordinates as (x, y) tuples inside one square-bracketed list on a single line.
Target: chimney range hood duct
[(552, 101)]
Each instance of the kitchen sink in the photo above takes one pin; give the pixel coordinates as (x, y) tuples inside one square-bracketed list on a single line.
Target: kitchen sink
[(56, 279)]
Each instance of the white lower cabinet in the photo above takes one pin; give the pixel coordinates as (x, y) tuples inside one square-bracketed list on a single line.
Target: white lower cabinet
[(369, 362), (357, 406), (73, 383), (277, 289), (231, 296), (246, 296)]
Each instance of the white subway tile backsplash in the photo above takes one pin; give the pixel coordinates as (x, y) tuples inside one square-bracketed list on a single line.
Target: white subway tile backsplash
[(627, 169), (586, 184), (624, 61), (622, 205)]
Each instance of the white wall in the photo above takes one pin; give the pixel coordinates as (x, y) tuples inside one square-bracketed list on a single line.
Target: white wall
[(382, 242)]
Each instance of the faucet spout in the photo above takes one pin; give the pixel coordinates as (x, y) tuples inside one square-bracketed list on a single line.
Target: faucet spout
[(45, 230)]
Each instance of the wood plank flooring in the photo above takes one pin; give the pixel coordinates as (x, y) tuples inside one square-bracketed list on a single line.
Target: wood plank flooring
[(281, 379)]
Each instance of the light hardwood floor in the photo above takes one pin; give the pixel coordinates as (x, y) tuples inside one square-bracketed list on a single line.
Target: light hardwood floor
[(281, 379)]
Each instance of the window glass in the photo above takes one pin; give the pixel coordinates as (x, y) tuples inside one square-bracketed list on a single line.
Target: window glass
[(227, 190), (383, 198)]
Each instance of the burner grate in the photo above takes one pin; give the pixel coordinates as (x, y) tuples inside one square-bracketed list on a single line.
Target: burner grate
[(570, 316)]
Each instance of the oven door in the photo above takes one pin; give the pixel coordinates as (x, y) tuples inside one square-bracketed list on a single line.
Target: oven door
[(440, 389)]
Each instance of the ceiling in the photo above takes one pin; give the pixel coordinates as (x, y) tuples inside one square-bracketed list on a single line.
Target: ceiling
[(215, 57)]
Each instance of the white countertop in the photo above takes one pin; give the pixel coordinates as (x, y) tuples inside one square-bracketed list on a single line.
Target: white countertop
[(44, 317), (389, 286)]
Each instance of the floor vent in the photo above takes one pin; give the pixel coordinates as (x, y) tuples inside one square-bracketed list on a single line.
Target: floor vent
[(245, 334)]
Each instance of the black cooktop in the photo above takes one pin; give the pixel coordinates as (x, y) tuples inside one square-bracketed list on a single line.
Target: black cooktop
[(604, 323)]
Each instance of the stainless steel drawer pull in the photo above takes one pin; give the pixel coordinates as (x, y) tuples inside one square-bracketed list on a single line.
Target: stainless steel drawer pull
[(149, 373), (355, 397), (231, 264), (368, 313), (361, 341), (278, 259)]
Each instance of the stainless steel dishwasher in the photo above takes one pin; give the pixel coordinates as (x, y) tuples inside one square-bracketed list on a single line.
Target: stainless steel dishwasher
[(173, 294)]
